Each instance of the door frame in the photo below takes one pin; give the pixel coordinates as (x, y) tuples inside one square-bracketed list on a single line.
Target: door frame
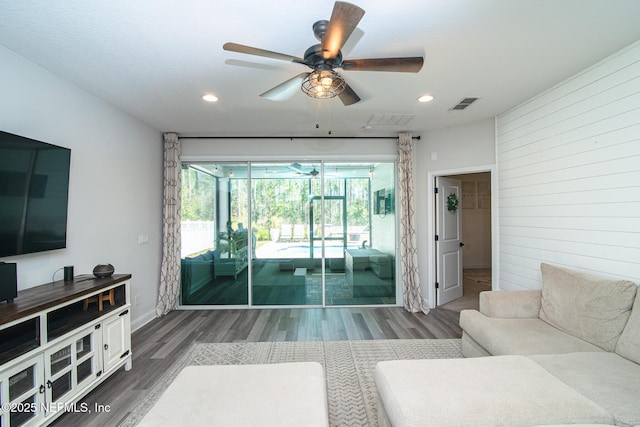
[(431, 250)]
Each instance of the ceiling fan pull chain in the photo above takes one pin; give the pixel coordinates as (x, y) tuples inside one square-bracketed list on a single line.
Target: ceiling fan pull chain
[(317, 114), (330, 118)]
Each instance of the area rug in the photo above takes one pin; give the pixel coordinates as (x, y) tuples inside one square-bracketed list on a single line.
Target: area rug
[(349, 369)]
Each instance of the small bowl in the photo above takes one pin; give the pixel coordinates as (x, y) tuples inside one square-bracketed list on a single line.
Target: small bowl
[(103, 270)]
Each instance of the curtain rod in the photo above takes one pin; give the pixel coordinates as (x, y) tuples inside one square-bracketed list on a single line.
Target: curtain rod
[(293, 137)]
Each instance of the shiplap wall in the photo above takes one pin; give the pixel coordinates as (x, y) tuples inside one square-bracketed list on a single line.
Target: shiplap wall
[(569, 176)]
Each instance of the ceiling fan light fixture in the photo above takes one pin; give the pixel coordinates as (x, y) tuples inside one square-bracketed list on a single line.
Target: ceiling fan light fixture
[(322, 84)]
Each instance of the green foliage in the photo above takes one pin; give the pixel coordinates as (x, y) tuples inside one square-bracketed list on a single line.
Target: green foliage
[(275, 201), (198, 196)]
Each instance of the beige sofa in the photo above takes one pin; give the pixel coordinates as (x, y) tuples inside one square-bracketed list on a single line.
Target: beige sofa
[(575, 341)]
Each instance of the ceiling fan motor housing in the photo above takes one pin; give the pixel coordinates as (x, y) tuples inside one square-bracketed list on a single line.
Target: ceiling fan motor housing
[(313, 58)]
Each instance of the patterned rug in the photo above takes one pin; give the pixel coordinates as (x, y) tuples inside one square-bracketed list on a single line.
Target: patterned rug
[(349, 368)]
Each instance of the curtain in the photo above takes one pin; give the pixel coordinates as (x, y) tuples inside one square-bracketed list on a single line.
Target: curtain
[(169, 291), (413, 300)]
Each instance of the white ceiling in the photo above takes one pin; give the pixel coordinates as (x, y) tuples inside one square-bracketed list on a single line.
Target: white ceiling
[(156, 58)]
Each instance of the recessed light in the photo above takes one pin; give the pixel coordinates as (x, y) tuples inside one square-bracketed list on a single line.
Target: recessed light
[(209, 97), (425, 98)]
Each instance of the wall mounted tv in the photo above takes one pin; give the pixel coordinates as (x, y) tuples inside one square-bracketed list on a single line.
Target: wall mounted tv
[(34, 189)]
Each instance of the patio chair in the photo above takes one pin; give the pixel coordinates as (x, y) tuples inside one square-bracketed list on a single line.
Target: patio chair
[(286, 232), (298, 232)]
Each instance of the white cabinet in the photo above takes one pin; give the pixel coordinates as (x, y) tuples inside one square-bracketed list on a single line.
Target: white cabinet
[(116, 338), (54, 357)]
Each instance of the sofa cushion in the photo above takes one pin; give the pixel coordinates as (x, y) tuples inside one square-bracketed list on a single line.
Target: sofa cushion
[(485, 391), (607, 379), (510, 304), (629, 343), (519, 336), (591, 308)]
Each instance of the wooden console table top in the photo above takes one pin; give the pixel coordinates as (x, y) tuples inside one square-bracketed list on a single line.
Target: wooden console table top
[(36, 299)]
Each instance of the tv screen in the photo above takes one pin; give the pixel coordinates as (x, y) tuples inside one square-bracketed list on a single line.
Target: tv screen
[(34, 189)]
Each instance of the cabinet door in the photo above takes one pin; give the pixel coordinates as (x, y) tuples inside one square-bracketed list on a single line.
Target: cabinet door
[(69, 366), (59, 370), (22, 393), (116, 340)]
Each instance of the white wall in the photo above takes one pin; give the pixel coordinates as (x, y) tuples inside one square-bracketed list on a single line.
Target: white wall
[(115, 190), (287, 149), (569, 176), (461, 149)]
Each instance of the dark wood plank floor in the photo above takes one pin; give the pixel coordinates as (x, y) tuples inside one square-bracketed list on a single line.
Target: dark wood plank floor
[(158, 344)]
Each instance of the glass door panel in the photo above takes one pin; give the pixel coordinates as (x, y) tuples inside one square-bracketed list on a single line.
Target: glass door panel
[(216, 242), (85, 354), (22, 382), (60, 386), (284, 271), (364, 275), (235, 243), (18, 418), (60, 359)]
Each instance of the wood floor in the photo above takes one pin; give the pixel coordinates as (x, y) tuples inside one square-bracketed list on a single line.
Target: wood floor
[(158, 344)]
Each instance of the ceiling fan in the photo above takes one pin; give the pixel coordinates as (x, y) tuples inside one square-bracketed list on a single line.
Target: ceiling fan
[(297, 167), (323, 58)]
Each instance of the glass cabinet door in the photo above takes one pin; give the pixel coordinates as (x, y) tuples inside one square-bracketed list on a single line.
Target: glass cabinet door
[(59, 380), (21, 393), (70, 364)]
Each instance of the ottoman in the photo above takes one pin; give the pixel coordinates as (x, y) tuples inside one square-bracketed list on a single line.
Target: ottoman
[(282, 394), (486, 391), (381, 265)]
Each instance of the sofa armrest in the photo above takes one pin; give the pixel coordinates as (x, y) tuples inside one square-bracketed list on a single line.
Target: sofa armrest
[(511, 304)]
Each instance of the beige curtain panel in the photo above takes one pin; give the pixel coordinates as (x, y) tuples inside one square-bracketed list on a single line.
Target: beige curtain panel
[(413, 300), (169, 291)]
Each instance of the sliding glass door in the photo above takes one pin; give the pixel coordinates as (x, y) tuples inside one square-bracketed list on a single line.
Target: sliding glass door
[(285, 271), (288, 234)]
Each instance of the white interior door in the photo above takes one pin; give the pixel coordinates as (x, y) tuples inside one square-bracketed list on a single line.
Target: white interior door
[(448, 241)]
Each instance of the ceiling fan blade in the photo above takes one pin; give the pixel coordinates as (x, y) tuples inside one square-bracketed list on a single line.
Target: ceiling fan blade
[(240, 48), (348, 96), (344, 19), (411, 64), (281, 91)]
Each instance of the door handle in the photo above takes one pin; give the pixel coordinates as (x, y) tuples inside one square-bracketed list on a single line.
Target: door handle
[(461, 244)]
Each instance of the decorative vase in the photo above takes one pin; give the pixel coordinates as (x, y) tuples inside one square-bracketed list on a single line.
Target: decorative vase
[(103, 270)]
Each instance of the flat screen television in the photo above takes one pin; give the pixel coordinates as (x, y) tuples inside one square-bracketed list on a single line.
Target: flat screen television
[(34, 190)]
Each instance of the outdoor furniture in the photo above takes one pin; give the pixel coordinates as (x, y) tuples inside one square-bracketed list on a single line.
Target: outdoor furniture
[(286, 232), (300, 276), (298, 232)]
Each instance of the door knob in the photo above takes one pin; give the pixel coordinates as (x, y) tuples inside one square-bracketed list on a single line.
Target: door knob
[(461, 244)]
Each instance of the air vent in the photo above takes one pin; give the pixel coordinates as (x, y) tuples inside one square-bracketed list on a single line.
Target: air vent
[(390, 119), (464, 103)]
